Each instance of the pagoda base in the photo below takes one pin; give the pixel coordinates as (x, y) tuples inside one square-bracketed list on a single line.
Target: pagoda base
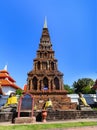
[(48, 92), (22, 120), (59, 99), (67, 115)]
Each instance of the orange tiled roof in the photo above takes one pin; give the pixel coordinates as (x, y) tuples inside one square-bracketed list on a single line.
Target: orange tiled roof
[(95, 85), (4, 71), (25, 87), (5, 74), (5, 82)]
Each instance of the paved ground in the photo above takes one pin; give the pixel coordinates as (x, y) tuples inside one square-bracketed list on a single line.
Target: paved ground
[(84, 128), (75, 128), (78, 128)]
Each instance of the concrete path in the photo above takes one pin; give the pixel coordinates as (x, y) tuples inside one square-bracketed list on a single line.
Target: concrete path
[(78, 128), (66, 121)]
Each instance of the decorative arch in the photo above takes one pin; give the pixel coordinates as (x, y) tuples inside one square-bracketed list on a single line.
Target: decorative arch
[(52, 65), (40, 55), (56, 83), (34, 82), (45, 83), (45, 54), (51, 83), (38, 65), (29, 84)]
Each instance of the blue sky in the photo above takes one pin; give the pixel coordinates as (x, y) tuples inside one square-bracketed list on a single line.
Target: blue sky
[(72, 26)]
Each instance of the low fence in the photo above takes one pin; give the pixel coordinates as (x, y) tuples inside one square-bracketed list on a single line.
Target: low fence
[(90, 98), (51, 116)]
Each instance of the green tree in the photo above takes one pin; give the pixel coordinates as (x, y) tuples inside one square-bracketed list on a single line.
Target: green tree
[(84, 86), (68, 88), (19, 92)]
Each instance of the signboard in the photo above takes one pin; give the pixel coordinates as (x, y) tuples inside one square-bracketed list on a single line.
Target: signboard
[(26, 104)]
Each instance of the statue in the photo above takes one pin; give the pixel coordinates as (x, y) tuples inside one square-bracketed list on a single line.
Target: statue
[(48, 104), (83, 105), (10, 104)]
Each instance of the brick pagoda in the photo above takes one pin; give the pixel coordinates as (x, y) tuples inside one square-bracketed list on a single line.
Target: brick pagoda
[(45, 80)]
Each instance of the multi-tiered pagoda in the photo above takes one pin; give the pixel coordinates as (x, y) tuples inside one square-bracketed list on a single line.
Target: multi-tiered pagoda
[(45, 74), (45, 80)]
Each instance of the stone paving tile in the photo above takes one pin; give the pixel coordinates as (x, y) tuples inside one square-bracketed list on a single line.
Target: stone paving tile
[(75, 128)]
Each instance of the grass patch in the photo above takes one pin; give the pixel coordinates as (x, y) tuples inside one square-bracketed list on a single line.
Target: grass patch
[(47, 126), (95, 109)]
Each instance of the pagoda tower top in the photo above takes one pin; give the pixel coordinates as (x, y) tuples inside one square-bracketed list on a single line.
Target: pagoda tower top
[(45, 41), (45, 23)]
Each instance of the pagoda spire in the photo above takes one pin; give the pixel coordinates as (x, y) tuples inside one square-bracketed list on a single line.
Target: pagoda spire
[(45, 23), (5, 67), (45, 37)]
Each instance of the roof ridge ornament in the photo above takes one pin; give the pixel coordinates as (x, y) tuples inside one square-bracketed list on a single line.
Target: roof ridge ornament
[(45, 23)]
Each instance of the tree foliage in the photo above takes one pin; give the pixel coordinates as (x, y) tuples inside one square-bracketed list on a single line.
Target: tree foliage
[(84, 86), (68, 88), (19, 92)]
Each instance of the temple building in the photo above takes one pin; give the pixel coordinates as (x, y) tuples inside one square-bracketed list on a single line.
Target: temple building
[(7, 83), (45, 81)]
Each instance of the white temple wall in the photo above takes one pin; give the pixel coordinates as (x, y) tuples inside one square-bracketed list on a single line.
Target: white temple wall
[(8, 89)]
